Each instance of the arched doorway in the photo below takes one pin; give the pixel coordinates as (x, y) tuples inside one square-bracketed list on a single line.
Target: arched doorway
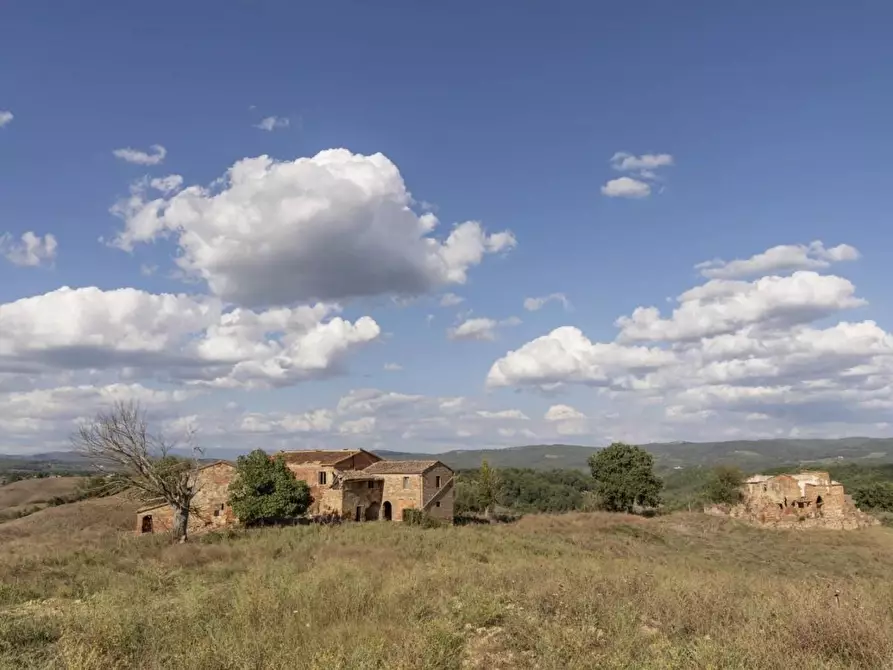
[(373, 511), (387, 511), (819, 502), (146, 526)]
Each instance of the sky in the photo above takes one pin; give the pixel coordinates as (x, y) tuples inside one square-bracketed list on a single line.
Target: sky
[(434, 226)]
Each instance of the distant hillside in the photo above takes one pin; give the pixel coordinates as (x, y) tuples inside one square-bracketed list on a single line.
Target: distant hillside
[(749, 454), (539, 456)]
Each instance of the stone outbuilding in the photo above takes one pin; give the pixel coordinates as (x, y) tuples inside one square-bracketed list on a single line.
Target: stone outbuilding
[(355, 485), (211, 508), (803, 500)]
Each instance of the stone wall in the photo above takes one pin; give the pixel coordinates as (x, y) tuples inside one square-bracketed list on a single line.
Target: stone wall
[(359, 494), (401, 497), (432, 482), (211, 507)]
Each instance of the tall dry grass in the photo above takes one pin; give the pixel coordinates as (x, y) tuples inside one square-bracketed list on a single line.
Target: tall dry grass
[(572, 591)]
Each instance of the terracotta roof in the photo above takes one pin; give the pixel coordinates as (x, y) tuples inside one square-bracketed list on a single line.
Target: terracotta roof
[(355, 475), (320, 456), (400, 467)]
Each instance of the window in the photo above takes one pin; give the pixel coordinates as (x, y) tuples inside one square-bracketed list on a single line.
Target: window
[(322, 478), (216, 512), (437, 482), (406, 482), (437, 504), (371, 484)]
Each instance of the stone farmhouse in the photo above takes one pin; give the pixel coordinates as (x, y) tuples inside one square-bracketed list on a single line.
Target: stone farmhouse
[(355, 485), (803, 500)]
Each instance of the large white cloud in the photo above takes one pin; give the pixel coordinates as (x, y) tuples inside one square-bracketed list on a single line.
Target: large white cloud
[(723, 306), (334, 226), (567, 355), (193, 338), (730, 350)]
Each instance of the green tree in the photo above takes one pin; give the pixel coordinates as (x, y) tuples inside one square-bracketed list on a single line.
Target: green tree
[(624, 477), (724, 485), (488, 488), (874, 496), (264, 490)]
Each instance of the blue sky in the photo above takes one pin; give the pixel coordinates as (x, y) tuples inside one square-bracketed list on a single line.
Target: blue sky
[(768, 125)]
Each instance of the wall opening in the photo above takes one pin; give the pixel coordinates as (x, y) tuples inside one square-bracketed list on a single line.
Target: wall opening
[(146, 526), (372, 511), (358, 515), (387, 511), (437, 482), (322, 478), (819, 502)]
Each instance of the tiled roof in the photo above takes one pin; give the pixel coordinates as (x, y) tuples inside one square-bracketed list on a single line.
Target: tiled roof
[(355, 475), (400, 467), (321, 457)]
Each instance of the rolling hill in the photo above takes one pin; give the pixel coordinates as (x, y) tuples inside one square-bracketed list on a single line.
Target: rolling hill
[(748, 454)]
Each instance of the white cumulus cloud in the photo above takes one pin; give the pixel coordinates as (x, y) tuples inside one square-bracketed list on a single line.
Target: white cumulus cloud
[(480, 328), (334, 226), (784, 257), (626, 187), (535, 304), (184, 337), (451, 300), (270, 123), (5, 117), (154, 156), (563, 413), (31, 250)]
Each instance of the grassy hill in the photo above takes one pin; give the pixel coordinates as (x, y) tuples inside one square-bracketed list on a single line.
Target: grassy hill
[(574, 592), (32, 494), (750, 455)]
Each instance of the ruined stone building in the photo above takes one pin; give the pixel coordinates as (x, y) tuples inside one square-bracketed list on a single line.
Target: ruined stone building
[(353, 484), (804, 500), (210, 506)]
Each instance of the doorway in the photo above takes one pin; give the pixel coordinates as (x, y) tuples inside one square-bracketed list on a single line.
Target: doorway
[(387, 511), (146, 526), (372, 512), (358, 515)]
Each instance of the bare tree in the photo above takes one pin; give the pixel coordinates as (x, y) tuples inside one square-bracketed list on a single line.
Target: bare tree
[(119, 441)]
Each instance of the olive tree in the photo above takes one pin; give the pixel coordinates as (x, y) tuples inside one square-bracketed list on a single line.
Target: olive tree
[(119, 441)]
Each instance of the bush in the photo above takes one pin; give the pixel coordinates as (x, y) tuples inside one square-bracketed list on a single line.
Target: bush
[(724, 485), (417, 517)]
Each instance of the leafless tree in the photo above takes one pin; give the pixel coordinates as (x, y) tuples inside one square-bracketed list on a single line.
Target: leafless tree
[(119, 441)]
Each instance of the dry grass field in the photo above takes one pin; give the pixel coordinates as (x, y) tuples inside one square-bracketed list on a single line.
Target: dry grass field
[(552, 592)]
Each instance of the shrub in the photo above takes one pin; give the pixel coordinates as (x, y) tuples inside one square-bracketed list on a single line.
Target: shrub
[(724, 485)]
